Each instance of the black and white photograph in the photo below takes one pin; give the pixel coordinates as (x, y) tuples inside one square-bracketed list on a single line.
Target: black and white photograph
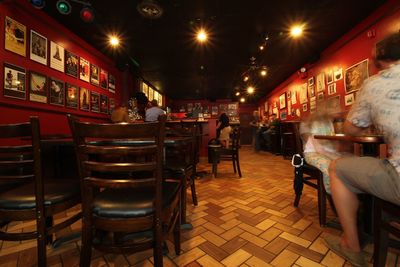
[(38, 50), (71, 64), (355, 76), (332, 89), (56, 56), (15, 36), (14, 81), (349, 99), (37, 87), (57, 92)]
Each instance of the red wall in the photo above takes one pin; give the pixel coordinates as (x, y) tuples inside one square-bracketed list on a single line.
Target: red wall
[(352, 48), (52, 118)]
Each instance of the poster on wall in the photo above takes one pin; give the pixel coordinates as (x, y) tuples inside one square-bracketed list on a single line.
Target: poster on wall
[(71, 64), (15, 37), (103, 79), (38, 51), (57, 92), (111, 83), (94, 102), (303, 93), (294, 97), (14, 81), (38, 87), (355, 75), (282, 101), (94, 75), (72, 96), (104, 104), (349, 99), (56, 56), (84, 99), (84, 69), (321, 82)]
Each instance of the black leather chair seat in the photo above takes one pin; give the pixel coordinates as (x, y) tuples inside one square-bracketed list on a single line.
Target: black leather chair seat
[(131, 202), (23, 197)]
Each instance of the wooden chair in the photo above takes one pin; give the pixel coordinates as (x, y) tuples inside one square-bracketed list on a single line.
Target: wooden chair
[(385, 213), (311, 176), (34, 198), (230, 153), (126, 203)]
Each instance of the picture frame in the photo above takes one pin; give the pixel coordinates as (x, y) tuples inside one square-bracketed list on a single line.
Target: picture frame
[(305, 107), (71, 64), (84, 69), (333, 104), (94, 75), (329, 77), (56, 92), (103, 104), (321, 82), (38, 48), (349, 99), (84, 99), (303, 93), (15, 36), (214, 111), (94, 102), (338, 74), (111, 83), (332, 88), (320, 96), (311, 81), (311, 91), (71, 96), (283, 115), (14, 81), (288, 95), (282, 101), (355, 75), (104, 79), (57, 56), (111, 104), (37, 87)]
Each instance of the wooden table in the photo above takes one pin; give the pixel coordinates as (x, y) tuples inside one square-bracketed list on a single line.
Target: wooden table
[(358, 141)]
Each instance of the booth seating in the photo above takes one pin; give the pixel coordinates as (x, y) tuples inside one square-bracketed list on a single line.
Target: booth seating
[(34, 197), (127, 204)]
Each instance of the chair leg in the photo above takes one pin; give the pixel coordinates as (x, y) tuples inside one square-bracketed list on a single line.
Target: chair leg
[(297, 200), (49, 223), (234, 163), (381, 236), (183, 201), (193, 189), (238, 165), (214, 168), (41, 240), (321, 202), (177, 234), (157, 250), (86, 250)]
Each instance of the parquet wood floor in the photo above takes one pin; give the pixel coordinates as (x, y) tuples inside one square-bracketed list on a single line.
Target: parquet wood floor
[(248, 221)]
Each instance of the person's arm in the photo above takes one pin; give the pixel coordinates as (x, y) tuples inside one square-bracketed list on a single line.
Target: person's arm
[(350, 129)]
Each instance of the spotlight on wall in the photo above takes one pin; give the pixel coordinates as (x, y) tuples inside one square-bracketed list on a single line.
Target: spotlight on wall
[(64, 7), (39, 4), (87, 14)]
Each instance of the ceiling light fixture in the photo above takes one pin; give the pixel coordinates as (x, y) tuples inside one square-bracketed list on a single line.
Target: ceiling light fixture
[(250, 90), (114, 41), (64, 7), (296, 31), (242, 100), (150, 9), (39, 4), (201, 36), (87, 14)]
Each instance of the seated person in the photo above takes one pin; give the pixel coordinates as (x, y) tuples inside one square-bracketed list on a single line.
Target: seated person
[(153, 111), (319, 153), (120, 114), (273, 128), (223, 130)]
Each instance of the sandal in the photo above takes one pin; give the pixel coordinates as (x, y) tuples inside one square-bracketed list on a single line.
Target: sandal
[(355, 258)]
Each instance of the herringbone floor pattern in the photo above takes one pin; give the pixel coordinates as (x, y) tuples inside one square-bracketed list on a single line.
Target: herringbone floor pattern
[(239, 222)]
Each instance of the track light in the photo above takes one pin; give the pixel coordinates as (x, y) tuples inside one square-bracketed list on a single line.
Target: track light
[(87, 14), (64, 7), (39, 4)]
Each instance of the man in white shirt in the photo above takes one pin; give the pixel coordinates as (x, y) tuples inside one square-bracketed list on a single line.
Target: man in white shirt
[(154, 111)]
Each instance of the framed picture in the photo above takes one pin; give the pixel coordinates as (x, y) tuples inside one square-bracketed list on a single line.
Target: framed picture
[(72, 95), (332, 89), (84, 69), (333, 104), (289, 95), (320, 96), (321, 82), (355, 76), (71, 64), (189, 107), (313, 104), (303, 93), (56, 57), (304, 107), (214, 111), (94, 75), (111, 83), (38, 87), (56, 92), (111, 104), (84, 99), (282, 101), (349, 99), (38, 50), (15, 37), (329, 77), (338, 75), (104, 79), (311, 81), (311, 91), (283, 115), (104, 104), (94, 101), (294, 97), (14, 81)]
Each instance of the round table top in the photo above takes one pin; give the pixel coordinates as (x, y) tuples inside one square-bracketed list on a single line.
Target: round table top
[(373, 138)]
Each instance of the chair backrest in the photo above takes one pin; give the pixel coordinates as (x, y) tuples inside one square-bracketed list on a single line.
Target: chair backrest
[(20, 159), (298, 141), (119, 156), (235, 138)]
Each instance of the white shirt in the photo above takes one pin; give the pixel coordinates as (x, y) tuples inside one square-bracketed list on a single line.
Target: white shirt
[(153, 113)]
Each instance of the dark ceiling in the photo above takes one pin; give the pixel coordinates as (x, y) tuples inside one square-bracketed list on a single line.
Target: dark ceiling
[(171, 60)]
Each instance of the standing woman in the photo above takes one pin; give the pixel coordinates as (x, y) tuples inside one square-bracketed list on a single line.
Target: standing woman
[(223, 130)]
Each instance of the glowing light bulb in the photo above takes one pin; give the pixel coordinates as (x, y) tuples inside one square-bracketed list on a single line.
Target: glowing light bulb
[(296, 31), (114, 41), (237, 94), (202, 36), (242, 100), (250, 90)]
